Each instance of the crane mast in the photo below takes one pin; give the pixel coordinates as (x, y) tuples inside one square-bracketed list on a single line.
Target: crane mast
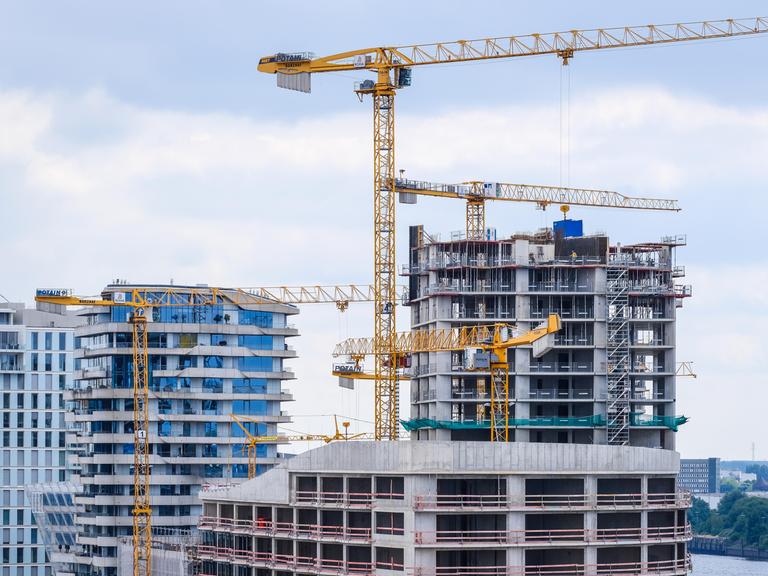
[(143, 299), (142, 507), (392, 66)]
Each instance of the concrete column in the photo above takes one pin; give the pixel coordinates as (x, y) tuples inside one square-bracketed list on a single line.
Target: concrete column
[(590, 556), (516, 490), (590, 490), (515, 559)]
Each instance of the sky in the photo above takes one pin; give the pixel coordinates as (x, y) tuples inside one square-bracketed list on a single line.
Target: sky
[(139, 142)]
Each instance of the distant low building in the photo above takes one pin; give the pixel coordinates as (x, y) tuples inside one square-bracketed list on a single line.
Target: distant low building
[(739, 476), (700, 476)]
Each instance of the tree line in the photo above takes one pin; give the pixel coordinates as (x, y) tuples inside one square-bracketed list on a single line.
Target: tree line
[(738, 518)]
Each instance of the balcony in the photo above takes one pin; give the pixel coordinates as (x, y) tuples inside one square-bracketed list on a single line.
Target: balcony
[(575, 340), (438, 502), (579, 314), (265, 527), (560, 287), (556, 394), (527, 537), (655, 568), (561, 367), (284, 561)]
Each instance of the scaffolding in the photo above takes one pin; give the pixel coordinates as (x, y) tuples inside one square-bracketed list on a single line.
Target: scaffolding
[(617, 351)]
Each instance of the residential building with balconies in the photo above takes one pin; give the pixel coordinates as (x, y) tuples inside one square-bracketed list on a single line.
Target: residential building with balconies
[(206, 362)]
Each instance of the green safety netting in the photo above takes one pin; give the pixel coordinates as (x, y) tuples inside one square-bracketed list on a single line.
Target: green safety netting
[(583, 421), (595, 421), (671, 422)]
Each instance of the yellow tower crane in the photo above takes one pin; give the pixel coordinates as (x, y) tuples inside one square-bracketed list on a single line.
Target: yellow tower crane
[(139, 299), (476, 193), (252, 440), (487, 345), (392, 67)]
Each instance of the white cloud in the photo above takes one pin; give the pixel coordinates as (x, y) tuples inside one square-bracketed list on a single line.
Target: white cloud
[(94, 188)]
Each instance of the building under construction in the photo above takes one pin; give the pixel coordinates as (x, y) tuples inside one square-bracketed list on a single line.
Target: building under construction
[(587, 483), (610, 376), (433, 508)]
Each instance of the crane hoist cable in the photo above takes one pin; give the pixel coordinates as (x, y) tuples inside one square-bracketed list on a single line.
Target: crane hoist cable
[(392, 67)]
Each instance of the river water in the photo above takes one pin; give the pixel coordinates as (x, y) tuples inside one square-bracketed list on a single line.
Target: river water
[(704, 565)]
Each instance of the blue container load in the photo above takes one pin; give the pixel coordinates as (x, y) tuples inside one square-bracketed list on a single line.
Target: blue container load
[(568, 228)]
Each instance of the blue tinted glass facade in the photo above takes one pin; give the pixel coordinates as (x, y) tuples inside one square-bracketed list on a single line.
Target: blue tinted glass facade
[(249, 407), (249, 386), (255, 363), (195, 385), (255, 342), (255, 318)]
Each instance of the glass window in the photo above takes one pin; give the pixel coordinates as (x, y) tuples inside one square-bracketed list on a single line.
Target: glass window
[(210, 407), (213, 471), (48, 361), (33, 359), (213, 362), (210, 451), (122, 313), (211, 429), (213, 385), (62, 362), (249, 407), (187, 340), (249, 386), (202, 314), (255, 318), (255, 363), (48, 340), (163, 428), (34, 343), (254, 429), (62, 340), (187, 362), (255, 342), (218, 340)]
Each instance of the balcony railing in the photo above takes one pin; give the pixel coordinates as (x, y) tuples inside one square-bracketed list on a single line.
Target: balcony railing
[(570, 501), (561, 367), (351, 499), (579, 313), (517, 537), (654, 568), (555, 394), (586, 340), (560, 287), (285, 561)]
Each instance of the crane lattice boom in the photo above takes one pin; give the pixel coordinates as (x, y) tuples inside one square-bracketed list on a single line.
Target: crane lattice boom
[(563, 44), (446, 339), (541, 195), (392, 67), (205, 296)]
